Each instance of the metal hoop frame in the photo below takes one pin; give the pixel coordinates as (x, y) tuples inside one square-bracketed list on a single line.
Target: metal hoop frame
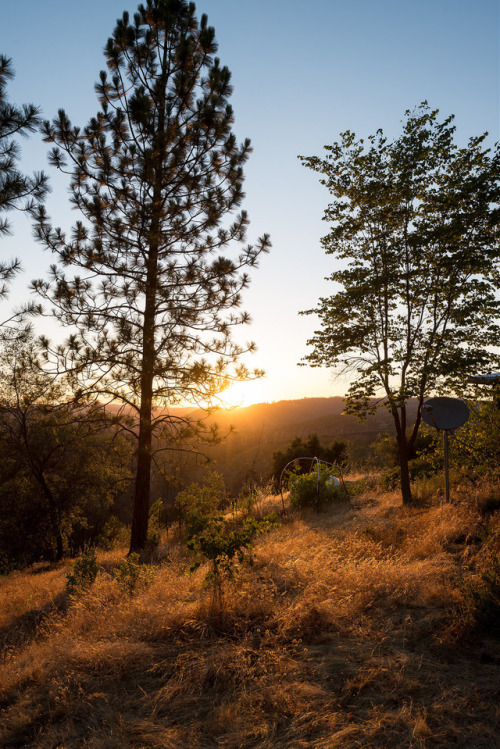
[(313, 461)]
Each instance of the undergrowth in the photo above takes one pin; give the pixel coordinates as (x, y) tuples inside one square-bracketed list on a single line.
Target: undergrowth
[(338, 635), (477, 611)]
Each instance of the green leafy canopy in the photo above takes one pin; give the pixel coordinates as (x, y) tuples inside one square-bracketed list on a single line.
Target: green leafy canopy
[(414, 230), (415, 226)]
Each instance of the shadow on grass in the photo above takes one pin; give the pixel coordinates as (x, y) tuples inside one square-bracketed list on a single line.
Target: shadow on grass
[(23, 629)]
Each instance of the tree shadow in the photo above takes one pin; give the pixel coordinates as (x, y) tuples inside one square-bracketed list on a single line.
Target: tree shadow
[(21, 630)]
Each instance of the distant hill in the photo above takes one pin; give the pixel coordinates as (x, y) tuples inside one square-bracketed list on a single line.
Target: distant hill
[(263, 428)]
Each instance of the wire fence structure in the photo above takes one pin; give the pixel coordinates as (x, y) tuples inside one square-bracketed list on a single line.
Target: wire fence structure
[(318, 461)]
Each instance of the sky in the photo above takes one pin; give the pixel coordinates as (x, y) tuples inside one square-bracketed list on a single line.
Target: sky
[(302, 74)]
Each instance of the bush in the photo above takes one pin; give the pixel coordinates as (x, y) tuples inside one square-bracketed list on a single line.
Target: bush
[(223, 545), (131, 574), (113, 532), (85, 571), (335, 452), (479, 441), (422, 467), (315, 489), (385, 448), (199, 501)]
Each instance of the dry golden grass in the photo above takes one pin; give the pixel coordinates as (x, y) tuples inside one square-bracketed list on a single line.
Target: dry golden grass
[(335, 637)]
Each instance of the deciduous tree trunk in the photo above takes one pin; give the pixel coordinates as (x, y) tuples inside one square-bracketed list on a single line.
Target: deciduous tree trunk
[(405, 476)]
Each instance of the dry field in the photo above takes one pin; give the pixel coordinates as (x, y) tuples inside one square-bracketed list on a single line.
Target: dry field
[(339, 635)]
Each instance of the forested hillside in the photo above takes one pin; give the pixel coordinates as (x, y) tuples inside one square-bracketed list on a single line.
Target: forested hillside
[(262, 429)]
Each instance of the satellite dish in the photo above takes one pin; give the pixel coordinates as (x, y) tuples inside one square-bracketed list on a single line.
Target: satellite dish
[(445, 413)]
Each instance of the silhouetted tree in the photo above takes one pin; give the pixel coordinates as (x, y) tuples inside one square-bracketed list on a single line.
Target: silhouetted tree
[(17, 191), (62, 463), (416, 223), (154, 174), (335, 452)]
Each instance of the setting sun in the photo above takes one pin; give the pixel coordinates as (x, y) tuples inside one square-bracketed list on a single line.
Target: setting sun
[(245, 393)]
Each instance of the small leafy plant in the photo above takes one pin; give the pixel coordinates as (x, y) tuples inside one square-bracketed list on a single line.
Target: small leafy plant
[(200, 501), (131, 574), (113, 532), (85, 571), (224, 546)]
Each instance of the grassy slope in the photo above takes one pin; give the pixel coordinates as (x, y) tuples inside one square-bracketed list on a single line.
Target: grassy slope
[(334, 638)]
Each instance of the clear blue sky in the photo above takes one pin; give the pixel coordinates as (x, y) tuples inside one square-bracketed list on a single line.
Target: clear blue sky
[(302, 73)]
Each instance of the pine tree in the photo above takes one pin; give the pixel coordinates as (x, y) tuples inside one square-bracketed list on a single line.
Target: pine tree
[(16, 189), (154, 174)]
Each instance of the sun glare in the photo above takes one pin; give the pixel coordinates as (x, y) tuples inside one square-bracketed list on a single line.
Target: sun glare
[(244, 394)]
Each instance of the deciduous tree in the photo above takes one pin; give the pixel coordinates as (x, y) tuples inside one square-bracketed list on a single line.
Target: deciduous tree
[(415, 232), (62, 464)]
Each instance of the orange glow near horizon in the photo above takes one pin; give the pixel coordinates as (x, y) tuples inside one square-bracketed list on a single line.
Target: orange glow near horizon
[(245, 394)]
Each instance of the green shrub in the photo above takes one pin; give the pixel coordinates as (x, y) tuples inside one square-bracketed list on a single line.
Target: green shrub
[(478, 452), (335, 452), (223, 546), (113, 532), (131, 574), (85, 571), (390, 479), (422, 467), (314, 489), (385, 447), (199, 501), (245, 501)]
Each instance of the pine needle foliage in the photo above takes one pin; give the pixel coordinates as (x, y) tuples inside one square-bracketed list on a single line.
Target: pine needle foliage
[(156, 174), (17, 190)]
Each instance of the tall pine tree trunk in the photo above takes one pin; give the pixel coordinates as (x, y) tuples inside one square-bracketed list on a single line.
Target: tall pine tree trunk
[(143, 473), (140, 517)]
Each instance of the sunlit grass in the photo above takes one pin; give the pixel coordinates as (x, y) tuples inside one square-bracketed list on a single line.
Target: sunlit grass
[(335, 637)]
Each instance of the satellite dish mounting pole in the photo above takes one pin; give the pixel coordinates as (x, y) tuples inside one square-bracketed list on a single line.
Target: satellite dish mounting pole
[(446, 465)]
